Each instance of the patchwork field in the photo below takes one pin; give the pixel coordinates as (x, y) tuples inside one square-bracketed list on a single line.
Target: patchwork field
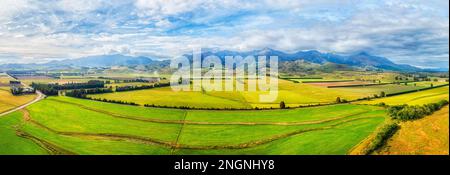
[(429, 135), (417, 98), (79, 126), (293, 94), (89, 127)]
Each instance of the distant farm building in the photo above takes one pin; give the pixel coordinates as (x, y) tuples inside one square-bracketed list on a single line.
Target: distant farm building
[(17, 88)]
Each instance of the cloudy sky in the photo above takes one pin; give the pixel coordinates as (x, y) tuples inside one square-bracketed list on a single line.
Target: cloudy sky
[(406, 31)]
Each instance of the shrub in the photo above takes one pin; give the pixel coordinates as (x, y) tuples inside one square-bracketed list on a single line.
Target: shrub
[(405, 112), (382, 94), (387, 131), (282, 105)]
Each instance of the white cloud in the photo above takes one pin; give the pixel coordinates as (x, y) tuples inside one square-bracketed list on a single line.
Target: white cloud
[(79, 6), (8, 8), (164, 28)]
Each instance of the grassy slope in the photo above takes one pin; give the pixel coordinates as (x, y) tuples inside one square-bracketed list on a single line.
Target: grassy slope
[(153, 113), (69, 117), (417, 98), (12, 144), (94, 146), (235, 134), (290, 115), (333, 141), (429, 135)]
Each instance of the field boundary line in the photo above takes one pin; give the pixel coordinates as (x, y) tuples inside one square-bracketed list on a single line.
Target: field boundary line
[(179, 133), (146, 140), (47, 146), (184, 121)]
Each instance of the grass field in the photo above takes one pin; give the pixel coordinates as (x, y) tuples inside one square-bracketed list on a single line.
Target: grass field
[(429, 135), (10, 143), (336, 141), (89, 127), (416, 98)]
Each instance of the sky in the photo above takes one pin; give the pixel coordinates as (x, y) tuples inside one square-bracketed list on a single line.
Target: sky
[(414, 32)]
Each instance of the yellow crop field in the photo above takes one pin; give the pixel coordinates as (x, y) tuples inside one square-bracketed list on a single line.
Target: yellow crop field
[(293, 94), (429, 135), (8, 101), (416, 98)]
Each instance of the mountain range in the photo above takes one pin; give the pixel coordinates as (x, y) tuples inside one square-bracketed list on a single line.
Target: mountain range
[(362, 60)]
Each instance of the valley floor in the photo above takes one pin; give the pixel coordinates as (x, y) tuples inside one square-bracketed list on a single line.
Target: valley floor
[(88, 127)]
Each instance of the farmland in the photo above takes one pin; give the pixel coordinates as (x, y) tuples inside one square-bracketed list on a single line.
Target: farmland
[(293, 94), (377, 89), (10, 142), (7, 100), (417, 98), (424, 136), (84, 127)]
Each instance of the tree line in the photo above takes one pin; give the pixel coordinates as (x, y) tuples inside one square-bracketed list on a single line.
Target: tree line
[(52, 89), (112, 101), (82, 93), (406, 112), (132, 88)]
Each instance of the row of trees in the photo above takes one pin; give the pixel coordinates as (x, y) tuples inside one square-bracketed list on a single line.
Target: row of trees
[(386, 132), (132, 88), (90, 84), (52, 89), (82, 93), (194, 108), (112, 101), (405, 112)]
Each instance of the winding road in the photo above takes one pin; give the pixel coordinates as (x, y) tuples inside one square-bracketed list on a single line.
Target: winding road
[(39, 97)]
